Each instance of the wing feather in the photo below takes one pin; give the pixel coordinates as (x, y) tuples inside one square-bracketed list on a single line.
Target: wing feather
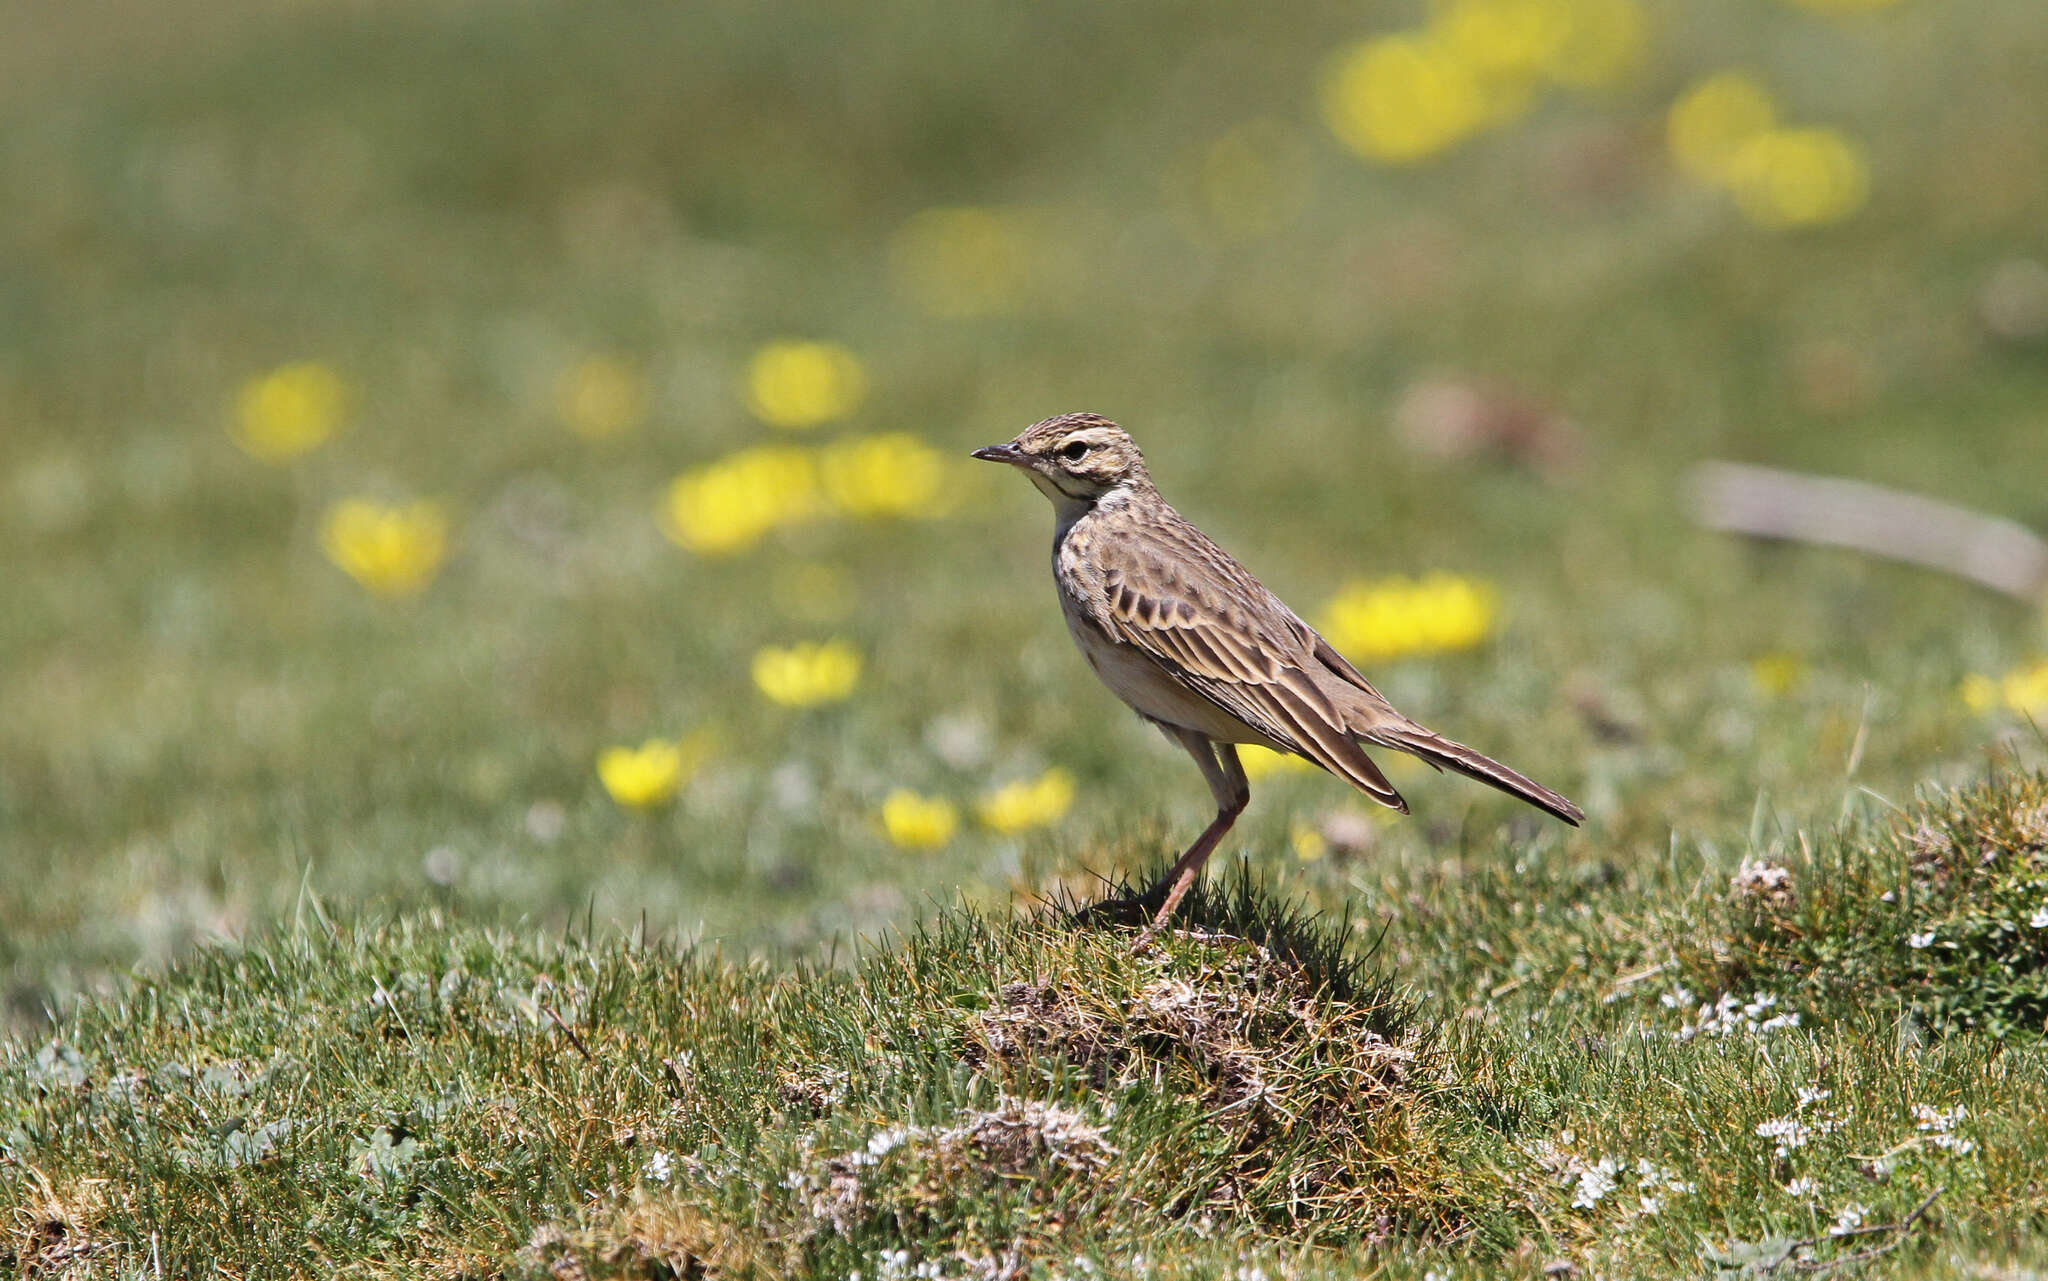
[(1216, 631)]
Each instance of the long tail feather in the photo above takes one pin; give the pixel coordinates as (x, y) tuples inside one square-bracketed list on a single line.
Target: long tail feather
[(1446, 754)]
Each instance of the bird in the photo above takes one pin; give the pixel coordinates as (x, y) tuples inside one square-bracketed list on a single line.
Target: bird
[(1194, 644)]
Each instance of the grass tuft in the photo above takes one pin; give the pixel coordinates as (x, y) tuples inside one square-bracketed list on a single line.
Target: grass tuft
[(988, 1091), (1944, 908)]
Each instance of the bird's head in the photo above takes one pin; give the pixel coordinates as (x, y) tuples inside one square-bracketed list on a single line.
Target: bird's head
[(1074, 458)]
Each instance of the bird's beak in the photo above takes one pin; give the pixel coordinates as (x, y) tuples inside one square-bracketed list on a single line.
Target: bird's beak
[(1002, 454)]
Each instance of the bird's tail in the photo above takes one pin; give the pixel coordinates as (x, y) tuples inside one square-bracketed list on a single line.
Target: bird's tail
[(1446, 754)]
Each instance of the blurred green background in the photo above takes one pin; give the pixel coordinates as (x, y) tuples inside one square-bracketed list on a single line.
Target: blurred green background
[(1467, 302)]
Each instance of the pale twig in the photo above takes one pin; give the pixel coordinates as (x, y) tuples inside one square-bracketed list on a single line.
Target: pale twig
[(1814, 1267), (568, 1031), (1764, 502), (1791, 1250)]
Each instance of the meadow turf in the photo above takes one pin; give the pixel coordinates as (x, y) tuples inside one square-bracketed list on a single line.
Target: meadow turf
[(324, 950)]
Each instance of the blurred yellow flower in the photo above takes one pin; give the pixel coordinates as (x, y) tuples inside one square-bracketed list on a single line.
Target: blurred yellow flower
[(918, 822), (1724, 131), (1309, 844), (1503, 39), (1713, 121), (888, 475), (1025, 804), (728, 505), (600, 397), (1844, 6), (1777, 673), (290, 410), (803, 384), (1602, 44), (2024, 691), (1255, 178), (391, 551), (1792, 178), (1259, 762), (1403, 98), (962, 260), (651, 774), (807, 674), (1396, 617)]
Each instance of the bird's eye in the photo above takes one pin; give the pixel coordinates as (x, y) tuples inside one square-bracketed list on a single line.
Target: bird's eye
[(1075, 450)]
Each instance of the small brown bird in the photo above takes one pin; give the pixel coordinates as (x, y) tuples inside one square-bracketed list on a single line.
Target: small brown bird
[(1197, 646)]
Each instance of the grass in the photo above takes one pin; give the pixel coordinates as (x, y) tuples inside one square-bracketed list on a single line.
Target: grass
[(323, 950), (1010, 1094)]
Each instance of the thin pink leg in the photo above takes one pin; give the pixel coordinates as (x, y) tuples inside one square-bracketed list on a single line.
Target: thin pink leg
[(1226, 780)]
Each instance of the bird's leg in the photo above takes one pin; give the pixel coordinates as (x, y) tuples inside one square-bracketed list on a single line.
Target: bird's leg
[(1226, 780)]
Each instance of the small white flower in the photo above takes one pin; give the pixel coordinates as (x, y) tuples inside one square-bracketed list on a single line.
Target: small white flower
[(2039, 920), (1790, 1132), (1939, 1126), (660, 1166), (1934, 1120), (1654, 1177), (1848, 1219), (1809, 1095), (1595, 1181), (1919, 942), (1803, 1186)]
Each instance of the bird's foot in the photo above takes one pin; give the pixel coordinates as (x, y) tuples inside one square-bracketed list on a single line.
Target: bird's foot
[(1124, 909)]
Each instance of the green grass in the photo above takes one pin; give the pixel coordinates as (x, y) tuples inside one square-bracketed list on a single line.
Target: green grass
[(224, 767), (423, 1097)]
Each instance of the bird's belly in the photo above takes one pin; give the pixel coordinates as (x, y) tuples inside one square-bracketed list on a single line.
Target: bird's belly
[(1150, 692)]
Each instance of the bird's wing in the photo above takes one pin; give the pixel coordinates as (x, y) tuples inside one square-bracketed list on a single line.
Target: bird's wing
[(1217, 631)]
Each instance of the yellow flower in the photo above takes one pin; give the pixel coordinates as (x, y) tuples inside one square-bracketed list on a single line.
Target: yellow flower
[(1602, 44), (803, 384), (807, 674), (1025, 804), (600, 397), (889, 475), (1792, 178), (1844, 6), (392, 551), (1502, 38), (728, 505), (1712, 122), (651, 774), (290, 410), (1255, 178), (918, 822), (1396, 617), (1403, 98), (2023, 691), (1309, 844), (1777, 673), (1259, 762), (962, 261)]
